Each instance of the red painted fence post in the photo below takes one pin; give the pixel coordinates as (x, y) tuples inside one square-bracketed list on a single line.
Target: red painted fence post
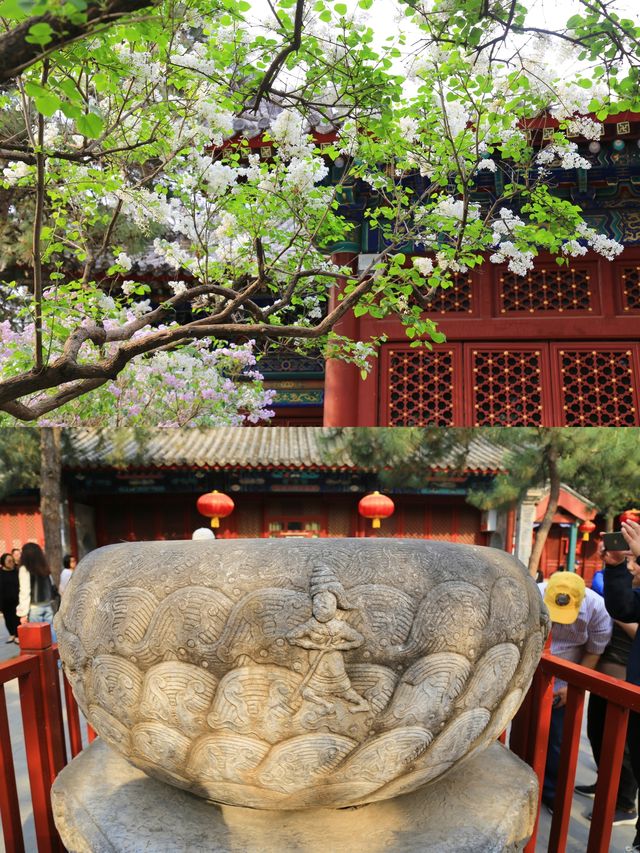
[(43, 732), (35, 639)]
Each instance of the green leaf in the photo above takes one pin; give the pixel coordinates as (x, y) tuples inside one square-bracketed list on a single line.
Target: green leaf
[(40, 33), (341, 8), (47, 103), (15, 10), (90, 125)]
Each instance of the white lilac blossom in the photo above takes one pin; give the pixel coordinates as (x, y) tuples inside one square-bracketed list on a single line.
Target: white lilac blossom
[(14, 172), (423, 265), (128, 287), (448, 264), (124, 261), (517, 260), (567, 153), (601, 244), (303, 175), (506, 224), (573, 249), (585, 126), (288, 130), (453, 208), (139, 309), (106, 303), (486, 165), (457, 117), (408, 128), (178, 287), (219, 177)]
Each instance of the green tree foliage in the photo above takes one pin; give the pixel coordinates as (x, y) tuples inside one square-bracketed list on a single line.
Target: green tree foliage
[(19, 460), (607, 469), (123, 139), (403, 457)]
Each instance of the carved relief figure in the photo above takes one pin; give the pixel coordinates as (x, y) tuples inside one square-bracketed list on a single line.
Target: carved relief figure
[(326, 636)]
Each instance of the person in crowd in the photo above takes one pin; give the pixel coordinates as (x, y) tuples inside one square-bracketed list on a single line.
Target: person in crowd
[(69, 562), (613, 662), (597, 581), (9, 595), (623, 603), (36, 587), (580, 631), (16, 553)]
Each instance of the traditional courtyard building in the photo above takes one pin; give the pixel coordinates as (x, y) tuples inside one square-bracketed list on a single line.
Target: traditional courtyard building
[(284, 482), (558, 347)]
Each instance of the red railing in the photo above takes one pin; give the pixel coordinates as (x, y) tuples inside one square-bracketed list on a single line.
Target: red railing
[(530, 735), (38, 675), (43, 717)]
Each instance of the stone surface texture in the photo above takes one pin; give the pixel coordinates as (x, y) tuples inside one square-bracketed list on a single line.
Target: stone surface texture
[(102, 804), (291, 674)]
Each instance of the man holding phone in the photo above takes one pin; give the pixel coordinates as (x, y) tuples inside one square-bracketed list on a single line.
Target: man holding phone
[(580, 631), (623, 603)]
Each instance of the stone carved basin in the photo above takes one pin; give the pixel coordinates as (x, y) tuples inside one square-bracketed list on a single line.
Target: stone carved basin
[(285, 674)]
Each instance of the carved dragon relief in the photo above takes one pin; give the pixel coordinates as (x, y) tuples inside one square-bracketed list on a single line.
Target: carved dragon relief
[(299, 674)]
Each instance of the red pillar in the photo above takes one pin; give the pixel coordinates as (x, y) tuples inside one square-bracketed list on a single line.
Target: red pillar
[(342, 380)]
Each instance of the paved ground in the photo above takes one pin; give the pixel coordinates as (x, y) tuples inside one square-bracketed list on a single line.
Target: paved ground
[(579, 827)]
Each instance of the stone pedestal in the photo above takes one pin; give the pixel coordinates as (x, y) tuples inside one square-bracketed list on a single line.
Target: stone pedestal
[(102, 804)]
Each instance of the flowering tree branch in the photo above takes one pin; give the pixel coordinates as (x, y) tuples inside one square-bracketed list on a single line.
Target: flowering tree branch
[(18, 51), (224, 159)]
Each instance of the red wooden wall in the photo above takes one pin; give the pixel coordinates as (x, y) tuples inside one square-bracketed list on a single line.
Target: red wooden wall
[(559, 347)]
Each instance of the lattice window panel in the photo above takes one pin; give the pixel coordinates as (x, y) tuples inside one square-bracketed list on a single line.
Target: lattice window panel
[(442, 524), (558, 289), (339, 521), (18, 526), (413, 521), (630, 277), (507, 389), (457, 299), (249, 522), (597, 388), (421, 388), (468, 526)]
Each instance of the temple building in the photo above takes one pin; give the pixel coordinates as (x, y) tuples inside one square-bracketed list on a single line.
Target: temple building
[(287, 482), (557, 347), (284, 482)]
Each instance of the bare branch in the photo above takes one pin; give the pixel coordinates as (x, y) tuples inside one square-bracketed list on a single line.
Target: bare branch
[(274, 69)]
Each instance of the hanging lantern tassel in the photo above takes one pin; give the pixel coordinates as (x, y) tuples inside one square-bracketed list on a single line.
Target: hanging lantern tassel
[(215, 505), (586, 528), (376, 506)]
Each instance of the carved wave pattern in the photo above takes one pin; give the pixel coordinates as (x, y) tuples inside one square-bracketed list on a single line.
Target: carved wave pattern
[(205, 688)]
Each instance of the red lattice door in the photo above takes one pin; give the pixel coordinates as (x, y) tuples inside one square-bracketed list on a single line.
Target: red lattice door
[(507, 385), (420, 387), (598, 386)]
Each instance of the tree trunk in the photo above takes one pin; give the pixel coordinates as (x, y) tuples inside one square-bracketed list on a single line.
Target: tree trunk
[(51, 497), (610, 521), (551, 459)]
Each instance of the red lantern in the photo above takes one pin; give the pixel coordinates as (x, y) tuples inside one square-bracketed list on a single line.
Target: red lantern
[(630, 515), (376, 506), (215, 505), (586, 528)]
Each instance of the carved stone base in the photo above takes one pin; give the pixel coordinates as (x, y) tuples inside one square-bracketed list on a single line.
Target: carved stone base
[(102, 804)]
